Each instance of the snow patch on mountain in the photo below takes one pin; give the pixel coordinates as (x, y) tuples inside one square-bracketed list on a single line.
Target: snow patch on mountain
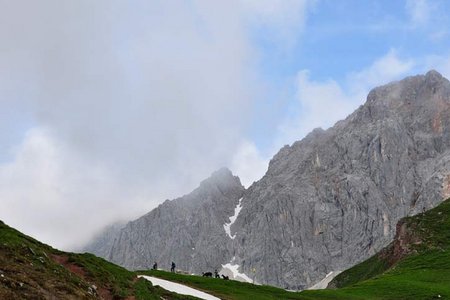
[(178, 288), (232, 270), (227, 226), (325, 281)]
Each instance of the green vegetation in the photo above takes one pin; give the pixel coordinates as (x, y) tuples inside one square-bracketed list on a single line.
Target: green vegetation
[(116, 278), (370, 268), (30, 269), (420, 269), (415, 266), (225, 289)]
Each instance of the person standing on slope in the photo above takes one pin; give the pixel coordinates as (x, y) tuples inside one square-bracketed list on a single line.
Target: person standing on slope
[(172, 268)]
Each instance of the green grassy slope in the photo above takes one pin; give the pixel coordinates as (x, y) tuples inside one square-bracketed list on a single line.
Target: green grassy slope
[(32, 270), (226, 289), (415, 266)]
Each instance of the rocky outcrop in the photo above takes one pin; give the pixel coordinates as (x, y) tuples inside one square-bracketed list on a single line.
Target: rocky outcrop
[(326, 203), (333, 199), (188, 230), (102, 243)]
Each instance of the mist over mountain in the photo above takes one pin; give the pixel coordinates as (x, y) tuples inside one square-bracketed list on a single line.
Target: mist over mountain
[(326, 202), (188, 230)]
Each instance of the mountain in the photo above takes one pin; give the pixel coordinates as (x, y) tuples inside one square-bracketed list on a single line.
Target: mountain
[(32, 270), (416, 265), (102, 243), (420, 252), (188, 230), (326, 203), (333, 199)]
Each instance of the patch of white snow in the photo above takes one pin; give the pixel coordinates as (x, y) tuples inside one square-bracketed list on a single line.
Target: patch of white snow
[(227, 226), (233, 272), (324, 282), (179, 288)]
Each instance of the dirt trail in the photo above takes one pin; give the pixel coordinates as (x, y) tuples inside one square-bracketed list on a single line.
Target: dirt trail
[(63, 260)]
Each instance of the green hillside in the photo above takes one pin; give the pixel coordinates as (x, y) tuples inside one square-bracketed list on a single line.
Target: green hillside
[(32, 270), (416, 265), (226, 289)]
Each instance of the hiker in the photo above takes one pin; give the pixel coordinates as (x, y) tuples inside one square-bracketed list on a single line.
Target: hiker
[(172, 269), (216, 274), (155, 266)]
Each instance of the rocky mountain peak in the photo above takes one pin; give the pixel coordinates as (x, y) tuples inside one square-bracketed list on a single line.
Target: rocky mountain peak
[(434, 75), (221, 178), (336, 195), (408, 91), (420, 102), (188, 230), (326, 202)]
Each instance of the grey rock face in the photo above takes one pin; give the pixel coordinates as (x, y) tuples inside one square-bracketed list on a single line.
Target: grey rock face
[(188, 230), (333, 199), (326, 203), (102, 243)]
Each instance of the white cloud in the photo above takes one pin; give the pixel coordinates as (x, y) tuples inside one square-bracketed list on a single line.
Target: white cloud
[(430, 17), (249, 163), (284, 18), (322, 103), (439, 63), (387, 68), (50, 193), (128, 104)]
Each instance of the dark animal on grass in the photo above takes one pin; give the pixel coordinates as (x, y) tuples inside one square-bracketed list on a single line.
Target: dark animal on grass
[(207, 274), (225, 277)]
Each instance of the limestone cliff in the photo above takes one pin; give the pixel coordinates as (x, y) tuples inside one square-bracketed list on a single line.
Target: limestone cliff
[(334, 198), (326, 203), (188, 230)]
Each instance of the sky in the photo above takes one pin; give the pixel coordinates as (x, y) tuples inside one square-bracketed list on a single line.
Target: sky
[(108, 107)]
